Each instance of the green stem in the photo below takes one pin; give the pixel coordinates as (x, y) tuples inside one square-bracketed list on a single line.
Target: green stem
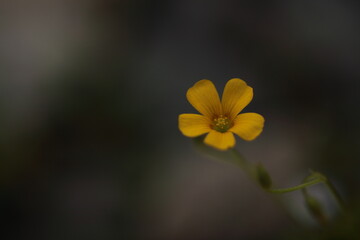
[(331, 188), (260, 175), (240, 160), (313, 179), (295, 188), (250, 170)]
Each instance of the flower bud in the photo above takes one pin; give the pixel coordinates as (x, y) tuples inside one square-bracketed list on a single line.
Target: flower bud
[(315, 208), (263, 177)]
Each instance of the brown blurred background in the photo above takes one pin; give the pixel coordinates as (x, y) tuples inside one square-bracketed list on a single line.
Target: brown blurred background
[(90, 92)]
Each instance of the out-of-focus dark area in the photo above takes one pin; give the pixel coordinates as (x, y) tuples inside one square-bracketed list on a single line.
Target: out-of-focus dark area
[(90, 92)]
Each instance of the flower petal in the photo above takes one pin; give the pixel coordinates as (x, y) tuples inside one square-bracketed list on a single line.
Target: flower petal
[(204, 98), (193, 125), (248, 125), (237, 95), (221, 141)]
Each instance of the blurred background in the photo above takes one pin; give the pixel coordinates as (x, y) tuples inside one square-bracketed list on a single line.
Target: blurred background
[(90, 93)]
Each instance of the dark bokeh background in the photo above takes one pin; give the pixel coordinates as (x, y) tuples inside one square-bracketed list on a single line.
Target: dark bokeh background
[(90, 92)]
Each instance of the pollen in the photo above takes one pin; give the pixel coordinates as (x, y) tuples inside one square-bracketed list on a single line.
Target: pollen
[(221, 124)]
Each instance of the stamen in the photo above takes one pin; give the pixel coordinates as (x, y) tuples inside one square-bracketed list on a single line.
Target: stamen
[(221, 124)]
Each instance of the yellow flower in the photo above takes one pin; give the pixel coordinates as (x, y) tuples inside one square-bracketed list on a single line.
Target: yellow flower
[(220, 119)]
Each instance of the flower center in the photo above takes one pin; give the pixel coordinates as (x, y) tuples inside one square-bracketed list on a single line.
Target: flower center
[(221, 124)]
